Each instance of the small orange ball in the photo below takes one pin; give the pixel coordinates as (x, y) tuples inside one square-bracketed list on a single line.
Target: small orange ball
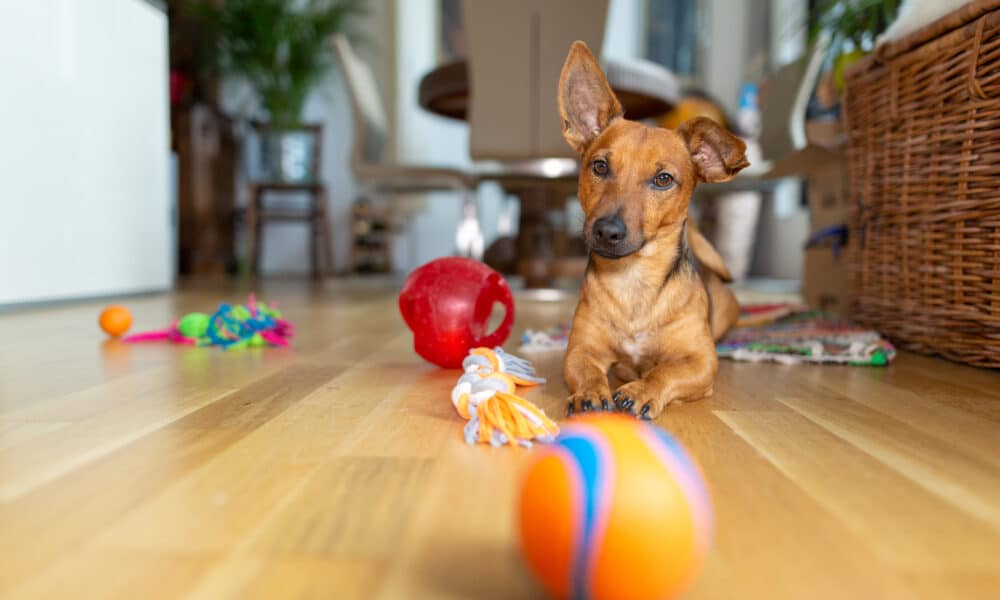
[(115, 320)]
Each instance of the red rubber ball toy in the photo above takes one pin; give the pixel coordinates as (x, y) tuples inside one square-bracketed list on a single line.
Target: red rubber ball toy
[(447, 304)]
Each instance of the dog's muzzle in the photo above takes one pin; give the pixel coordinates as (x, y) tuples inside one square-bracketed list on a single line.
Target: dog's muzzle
[(609, 237)]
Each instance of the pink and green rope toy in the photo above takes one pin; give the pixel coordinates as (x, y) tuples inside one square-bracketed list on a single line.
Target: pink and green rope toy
[(255, 324)]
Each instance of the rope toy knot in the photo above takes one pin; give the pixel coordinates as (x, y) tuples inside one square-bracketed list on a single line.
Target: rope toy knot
[(486, 396)]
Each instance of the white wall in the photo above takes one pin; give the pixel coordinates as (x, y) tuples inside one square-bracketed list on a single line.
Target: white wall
[(84, 152)]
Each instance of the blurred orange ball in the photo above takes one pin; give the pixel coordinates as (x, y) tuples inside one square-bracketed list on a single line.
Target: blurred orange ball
[(115, 320), (615, 508)]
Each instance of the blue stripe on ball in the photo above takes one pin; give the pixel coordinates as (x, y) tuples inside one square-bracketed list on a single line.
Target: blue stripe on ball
[(594, 474)]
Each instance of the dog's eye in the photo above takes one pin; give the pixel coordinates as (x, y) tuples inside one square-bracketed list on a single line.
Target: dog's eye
[(663, 180), (599, 167)]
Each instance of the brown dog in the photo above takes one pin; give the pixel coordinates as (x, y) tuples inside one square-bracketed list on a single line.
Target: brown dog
[(653, 299)]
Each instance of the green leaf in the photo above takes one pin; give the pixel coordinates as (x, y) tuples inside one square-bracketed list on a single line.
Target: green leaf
[(281, 51), (857, 21)]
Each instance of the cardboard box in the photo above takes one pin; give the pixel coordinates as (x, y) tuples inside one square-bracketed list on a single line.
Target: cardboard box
[(828, 193), (827, 133), (823, 165), (825, 283), (814, 151)]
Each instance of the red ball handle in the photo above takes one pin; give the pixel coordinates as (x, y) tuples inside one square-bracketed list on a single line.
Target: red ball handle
[(498, 291)]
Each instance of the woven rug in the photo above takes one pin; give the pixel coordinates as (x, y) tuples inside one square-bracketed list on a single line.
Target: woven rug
[(782, 333), (791, 334)]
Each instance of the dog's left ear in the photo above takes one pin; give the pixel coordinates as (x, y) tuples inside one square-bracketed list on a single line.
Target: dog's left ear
[(718, 155), (586, 102)]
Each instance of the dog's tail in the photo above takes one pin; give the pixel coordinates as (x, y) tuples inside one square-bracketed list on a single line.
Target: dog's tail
[(724, 309)]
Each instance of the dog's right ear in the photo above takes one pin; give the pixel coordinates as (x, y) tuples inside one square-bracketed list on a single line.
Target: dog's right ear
[(586, 102)]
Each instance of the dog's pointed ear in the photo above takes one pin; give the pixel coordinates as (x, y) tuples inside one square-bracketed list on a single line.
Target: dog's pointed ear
[(718, 155), (586, 102)]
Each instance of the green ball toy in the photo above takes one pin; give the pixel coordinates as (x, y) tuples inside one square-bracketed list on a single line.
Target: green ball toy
[(193, 325)]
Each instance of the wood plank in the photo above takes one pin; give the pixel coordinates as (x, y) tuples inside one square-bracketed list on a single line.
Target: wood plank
[(352, 507), (49, 455), (975, 391), (14, 432), (950, 374), (772, 539), (905, 525), (938, 413), (967, 482), (337, 468), (56, 520), (292, 578), (217, 505), (461, 543), (123, 575), (136, 472)]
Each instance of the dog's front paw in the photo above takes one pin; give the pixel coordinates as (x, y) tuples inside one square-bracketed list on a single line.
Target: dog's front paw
[(640, 400), (588, 401)]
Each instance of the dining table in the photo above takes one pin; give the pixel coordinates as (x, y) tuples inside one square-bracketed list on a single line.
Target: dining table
[(645, 89)]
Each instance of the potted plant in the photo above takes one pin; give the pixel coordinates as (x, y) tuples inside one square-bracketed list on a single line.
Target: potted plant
[(852, 27), (281, 49)]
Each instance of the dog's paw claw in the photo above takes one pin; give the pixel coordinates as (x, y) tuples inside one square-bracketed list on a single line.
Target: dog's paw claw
[(605, 405), (635, 399), (585, 402)]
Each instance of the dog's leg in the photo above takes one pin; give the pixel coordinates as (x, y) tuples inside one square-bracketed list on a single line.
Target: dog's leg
[(586, 372), (624, 372), (690, 378)]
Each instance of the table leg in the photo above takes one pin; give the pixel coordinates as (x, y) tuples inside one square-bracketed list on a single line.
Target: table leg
[(542, 237)]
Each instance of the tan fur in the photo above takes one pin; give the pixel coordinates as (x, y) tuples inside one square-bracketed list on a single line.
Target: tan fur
[(647, 311)]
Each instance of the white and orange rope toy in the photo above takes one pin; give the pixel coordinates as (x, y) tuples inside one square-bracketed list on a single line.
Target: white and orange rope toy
[(485, 395)]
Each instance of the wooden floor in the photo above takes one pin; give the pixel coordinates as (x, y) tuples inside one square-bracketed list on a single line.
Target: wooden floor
[(337, 469)]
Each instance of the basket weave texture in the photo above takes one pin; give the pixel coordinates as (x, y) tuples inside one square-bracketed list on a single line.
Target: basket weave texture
[(923, 122)]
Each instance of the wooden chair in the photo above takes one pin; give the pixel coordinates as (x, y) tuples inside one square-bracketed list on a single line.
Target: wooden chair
[(315, 215), (376, 174)]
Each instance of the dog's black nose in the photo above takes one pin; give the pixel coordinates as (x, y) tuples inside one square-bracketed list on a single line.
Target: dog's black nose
[(610, 230)]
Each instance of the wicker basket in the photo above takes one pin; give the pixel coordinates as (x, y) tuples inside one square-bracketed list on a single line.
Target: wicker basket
[(923, 121)]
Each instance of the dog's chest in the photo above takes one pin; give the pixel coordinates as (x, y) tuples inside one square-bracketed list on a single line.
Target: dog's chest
[(637, 345), (637, 326)]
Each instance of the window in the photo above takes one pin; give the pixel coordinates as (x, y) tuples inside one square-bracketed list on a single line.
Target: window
[(672, 35)]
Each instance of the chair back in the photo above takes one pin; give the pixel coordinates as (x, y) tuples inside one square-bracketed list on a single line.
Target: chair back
[(516, 51), (370, 121)]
